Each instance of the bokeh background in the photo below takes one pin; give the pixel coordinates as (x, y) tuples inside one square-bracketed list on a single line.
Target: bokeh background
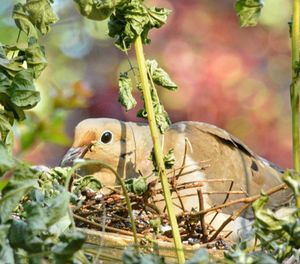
[(236, 78)]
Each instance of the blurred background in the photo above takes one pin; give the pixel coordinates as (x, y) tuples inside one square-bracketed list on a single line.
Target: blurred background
[(236, 78)]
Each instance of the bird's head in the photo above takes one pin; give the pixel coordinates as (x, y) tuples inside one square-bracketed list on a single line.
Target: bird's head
[(109, 141)]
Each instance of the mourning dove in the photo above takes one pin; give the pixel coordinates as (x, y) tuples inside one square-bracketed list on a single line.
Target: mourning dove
[(207, 154)]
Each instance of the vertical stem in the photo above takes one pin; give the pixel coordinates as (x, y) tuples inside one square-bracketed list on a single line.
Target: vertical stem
[(294, 89), (157, 148)]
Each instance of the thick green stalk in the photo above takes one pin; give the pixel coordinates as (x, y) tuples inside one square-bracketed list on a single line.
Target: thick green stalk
[(157, 148), (294, 92)]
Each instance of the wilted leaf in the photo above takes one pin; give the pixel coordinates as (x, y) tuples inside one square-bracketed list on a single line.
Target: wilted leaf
[(132, 19), (97, 10), (248, 11), (159, 76), (6, 121), (35, 58), (169, 159), (8, 66), (158, 16), (125, 92), (40, 14), (23, 22), (162, 118)]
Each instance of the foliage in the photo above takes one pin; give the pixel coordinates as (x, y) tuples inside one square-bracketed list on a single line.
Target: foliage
[(248, 11), (132, 19), (125, 94), (38, 229), (137, 186), (22, 63)]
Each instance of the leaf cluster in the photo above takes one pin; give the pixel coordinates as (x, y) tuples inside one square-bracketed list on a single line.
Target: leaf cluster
[(34, 217), (20, 64), (131, 19), (156, 76), (169, 160)]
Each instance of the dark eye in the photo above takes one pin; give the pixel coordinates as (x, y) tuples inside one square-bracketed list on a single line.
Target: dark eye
[(106, 137)]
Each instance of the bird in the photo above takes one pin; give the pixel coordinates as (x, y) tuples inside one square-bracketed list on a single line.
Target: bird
[(205, 155)]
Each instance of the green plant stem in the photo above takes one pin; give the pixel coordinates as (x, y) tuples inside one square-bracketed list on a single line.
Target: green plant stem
[(157, 148), (294, 89), (129, 207)]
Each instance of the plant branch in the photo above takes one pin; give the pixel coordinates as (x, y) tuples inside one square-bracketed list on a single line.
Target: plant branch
[(157, 148), (294, 88)]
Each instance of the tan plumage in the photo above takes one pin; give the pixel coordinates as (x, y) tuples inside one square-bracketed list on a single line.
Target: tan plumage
[(211, 154)]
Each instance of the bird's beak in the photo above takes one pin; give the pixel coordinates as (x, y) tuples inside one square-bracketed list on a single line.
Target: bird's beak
[(72, 154)]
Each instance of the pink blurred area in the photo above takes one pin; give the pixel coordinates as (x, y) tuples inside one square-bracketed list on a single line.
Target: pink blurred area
[(236, 78)]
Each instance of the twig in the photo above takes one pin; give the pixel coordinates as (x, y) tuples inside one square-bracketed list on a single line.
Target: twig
[(225, 200), (247, 200), (202, 217), (109, 228), (227, 221)]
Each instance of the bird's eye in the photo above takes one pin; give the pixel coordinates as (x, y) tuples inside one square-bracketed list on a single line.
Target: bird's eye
[(106, 137)]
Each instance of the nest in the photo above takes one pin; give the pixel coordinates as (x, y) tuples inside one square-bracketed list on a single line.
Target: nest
[(109, 213)]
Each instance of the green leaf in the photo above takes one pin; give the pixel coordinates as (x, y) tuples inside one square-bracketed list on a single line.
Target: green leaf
[(9, 67), (169, 159), (6, 122), (161, 117), (292, 179), (159, 76), (11, 199), (70, 243), (131, 19), (97, 10), (6, 252), (264, 217), (137, 186), (248, 11), (23, 22), (125, 92), (35, 58), (22, 91), (4, 180), (40, 14), (158, 16), (88, 181), (21, 236), (6, 159), (58, 208)]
